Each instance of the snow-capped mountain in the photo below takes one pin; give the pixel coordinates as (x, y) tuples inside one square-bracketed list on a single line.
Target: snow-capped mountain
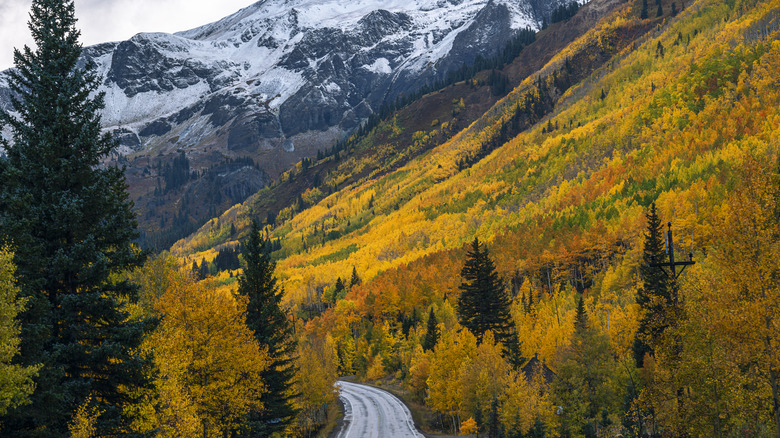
[(281, 70), (280, 79)]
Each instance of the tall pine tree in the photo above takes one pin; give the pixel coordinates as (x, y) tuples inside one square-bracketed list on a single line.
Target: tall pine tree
[(654, 297), (483, 303), (581, 316), (272, 329), (70, 223), (431, 333)]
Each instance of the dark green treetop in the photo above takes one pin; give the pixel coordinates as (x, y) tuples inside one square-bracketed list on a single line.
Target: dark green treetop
[(431, 332), (69, 221), (581, 316), (483, 303), (355, 279), (654, 296), (266, 318)]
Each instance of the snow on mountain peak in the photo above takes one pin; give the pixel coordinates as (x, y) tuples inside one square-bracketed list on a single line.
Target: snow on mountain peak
[(281, 68)]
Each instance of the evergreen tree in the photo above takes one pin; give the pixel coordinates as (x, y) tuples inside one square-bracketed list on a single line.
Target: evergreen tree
[(70, 223), (355, 280), (643, 12), (339, 290), (660, 11), (483, 303), (654, 296), (203, 271), (581, 317), (272, 329), (512, 352), (431, 333)]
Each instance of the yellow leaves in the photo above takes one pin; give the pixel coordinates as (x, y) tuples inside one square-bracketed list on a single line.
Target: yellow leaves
[(317, 372), (483, 377), (419, 369), (747, 251), (375, 369), (16, 381), (444, 382), (83, 423), (623, 324), (523, 403), (469, 427), (209, 361)]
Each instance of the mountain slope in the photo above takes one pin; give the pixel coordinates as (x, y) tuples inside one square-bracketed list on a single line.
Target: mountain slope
[(276, 82), (619, 139), (415, 128), (681, 110)]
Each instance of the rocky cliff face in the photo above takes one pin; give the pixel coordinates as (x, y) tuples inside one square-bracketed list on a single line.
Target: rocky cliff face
[(282, 78)]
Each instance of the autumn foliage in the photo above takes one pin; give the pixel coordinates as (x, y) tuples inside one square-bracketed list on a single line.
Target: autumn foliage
[(558, 179)]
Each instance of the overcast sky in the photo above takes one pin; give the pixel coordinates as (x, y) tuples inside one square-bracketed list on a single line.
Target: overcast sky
[(114, 20)]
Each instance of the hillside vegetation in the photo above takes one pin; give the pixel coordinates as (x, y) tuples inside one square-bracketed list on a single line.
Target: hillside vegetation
[(681, 110)]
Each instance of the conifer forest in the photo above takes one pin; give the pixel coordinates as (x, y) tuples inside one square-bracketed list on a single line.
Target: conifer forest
[(578, 237)]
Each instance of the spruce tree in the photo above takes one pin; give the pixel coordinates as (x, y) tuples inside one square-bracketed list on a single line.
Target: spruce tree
[(483, 303), (512, 352), (581, 316), (431, 333), (70, 223), (272, 329), (355, 280), (654, 297), (643, 11), (339, 290)]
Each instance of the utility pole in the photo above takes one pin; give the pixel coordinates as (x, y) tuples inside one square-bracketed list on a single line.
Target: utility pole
[(676, 308), (673, 274)]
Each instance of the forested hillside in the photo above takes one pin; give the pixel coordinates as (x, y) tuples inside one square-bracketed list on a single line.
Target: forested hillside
[(585, 247), (663, 103)]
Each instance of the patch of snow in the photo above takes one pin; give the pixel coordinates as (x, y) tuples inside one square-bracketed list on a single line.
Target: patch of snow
[(380, 66), (144, 107)]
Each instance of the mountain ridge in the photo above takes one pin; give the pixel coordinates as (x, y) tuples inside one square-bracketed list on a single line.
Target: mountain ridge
[(277, 81)]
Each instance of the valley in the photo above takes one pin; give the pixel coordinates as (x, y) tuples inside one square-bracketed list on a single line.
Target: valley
[(473, 203)]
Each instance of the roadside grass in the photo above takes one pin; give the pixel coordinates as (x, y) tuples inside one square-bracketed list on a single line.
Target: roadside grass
[(425, 418), (335, 415)]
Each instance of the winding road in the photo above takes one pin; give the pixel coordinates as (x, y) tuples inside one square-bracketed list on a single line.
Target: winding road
[(371, 412)]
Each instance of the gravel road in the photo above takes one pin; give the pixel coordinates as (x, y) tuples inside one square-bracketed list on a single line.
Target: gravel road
[(370, 412)]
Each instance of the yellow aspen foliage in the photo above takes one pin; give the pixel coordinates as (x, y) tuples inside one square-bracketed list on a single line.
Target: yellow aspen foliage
[(376, 369), (419, 370), (523, 403), (16, 381), (83, 423), (317, 372), (483, 378), (153, 280), (469, 427), (444, 383), (732, 334), (208, 360)]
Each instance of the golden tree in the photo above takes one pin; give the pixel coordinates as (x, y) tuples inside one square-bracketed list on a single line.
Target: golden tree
[(209, 361)]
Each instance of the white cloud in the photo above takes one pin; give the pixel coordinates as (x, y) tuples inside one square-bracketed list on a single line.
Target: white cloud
[(114, 20)]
